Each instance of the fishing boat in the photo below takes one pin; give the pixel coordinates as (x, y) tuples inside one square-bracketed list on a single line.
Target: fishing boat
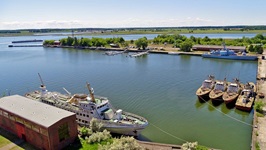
[(206, 87), (247, 97), (216, 94), (228, 54), (90, 106), (232, 92)]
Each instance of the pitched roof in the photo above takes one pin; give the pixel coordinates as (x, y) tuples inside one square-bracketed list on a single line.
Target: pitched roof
[(34, 111)]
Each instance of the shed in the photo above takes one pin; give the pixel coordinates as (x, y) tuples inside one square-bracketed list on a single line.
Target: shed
[(40, 124)]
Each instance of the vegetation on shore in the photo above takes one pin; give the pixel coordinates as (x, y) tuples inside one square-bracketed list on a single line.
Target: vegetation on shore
[(255, 44)]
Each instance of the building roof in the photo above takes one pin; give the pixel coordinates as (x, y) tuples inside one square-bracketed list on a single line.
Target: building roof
[(218, 47), (34, 111)]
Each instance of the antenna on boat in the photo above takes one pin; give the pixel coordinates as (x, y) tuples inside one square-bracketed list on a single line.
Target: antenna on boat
[(40, 79), (91, 92)]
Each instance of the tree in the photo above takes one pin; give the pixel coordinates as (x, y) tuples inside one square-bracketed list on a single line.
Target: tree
[(251, 48), (75, 42), (186, 46), (259, 36), (70, 41), (258, 49), (141, 43)]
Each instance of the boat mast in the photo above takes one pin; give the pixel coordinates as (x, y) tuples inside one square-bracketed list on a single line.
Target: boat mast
[(42, 87), (227, 51), (91, 92)]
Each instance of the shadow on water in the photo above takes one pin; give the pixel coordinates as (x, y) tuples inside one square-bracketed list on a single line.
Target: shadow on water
[(244, 114), (199, 103), (210, 106), (143, 138), (203, 99), (216, 103), (230, 105), (224, 109)]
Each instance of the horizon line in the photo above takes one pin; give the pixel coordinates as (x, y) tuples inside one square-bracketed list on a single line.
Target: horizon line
[(203, 26)]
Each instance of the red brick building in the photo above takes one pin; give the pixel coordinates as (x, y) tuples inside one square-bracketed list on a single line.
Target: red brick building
[(42, 125)]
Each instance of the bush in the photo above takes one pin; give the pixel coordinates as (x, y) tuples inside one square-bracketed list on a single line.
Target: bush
[(123, 143), (95, 125), (189, 146), (259, 105), (193, 146), (85, 132), (99, 137)]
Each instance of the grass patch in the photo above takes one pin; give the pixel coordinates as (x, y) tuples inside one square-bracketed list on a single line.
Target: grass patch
[(257, 145), (23, 146), (3, 141), (258, 114), (6, 137), (81, 144)]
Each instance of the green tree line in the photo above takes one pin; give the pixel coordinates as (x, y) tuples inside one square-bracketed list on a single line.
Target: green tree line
[(254, 44)]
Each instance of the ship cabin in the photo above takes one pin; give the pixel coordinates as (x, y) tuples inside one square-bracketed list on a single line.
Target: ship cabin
[(219, 86), (207, 84), (233, 88), (247, 94)]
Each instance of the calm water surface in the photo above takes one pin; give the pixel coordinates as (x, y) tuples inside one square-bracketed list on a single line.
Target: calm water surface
[(49, 36), (160, 88)]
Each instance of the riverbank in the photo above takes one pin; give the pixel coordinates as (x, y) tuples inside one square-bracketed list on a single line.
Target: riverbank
[(259, 121)]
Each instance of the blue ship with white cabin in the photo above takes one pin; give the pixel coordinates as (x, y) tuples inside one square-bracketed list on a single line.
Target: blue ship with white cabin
[(228, 54)]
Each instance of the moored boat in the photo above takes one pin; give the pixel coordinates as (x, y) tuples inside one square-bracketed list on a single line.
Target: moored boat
[(228, 54), (206, 87), (232, 92), (247, 97), (87, 107), (218, 91)]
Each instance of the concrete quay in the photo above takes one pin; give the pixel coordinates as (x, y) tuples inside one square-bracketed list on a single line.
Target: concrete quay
[(158, 146), (259, 123)]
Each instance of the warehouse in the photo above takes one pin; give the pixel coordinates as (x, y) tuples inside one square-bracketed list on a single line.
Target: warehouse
[(215, 47), (39, 124)]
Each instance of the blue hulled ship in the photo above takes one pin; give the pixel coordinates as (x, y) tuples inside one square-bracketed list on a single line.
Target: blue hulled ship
[(228, 54)]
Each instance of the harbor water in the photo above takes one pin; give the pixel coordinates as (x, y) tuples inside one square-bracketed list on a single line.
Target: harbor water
[(159, 87)]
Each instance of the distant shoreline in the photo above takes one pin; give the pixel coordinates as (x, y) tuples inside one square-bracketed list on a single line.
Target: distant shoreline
[(132, 32)]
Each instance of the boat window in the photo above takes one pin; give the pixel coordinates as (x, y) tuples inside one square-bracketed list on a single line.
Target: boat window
[(84, 115), (87, 115), (206, 84), (232, 88)]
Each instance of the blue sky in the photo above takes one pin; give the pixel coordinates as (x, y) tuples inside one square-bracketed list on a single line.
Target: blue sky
[(23, 14)]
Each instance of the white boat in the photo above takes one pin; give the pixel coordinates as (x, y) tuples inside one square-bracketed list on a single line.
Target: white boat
[(87, 107)]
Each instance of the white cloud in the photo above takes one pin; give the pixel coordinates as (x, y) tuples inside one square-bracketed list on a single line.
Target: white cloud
[(129, 22)]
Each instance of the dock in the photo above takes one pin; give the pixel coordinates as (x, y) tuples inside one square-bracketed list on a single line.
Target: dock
[(27, 41), (112, 53), (33, 45), (259, 123), (158, 146), (139, 54)]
